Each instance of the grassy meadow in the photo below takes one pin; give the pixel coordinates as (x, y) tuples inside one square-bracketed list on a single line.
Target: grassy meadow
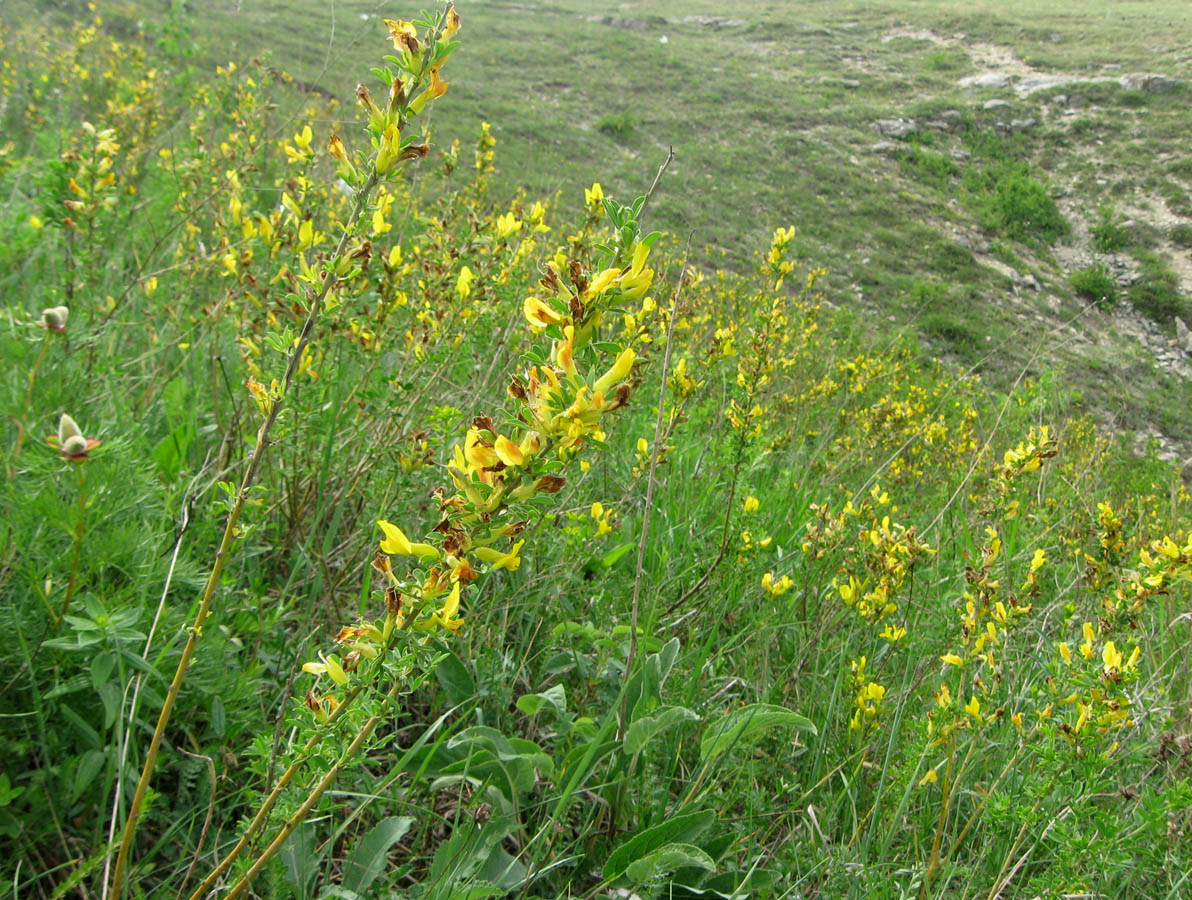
[(437, 490)]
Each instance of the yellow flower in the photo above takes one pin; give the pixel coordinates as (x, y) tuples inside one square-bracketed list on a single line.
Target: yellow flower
[(779, 587), (593, 195), (452, 24), (973, 708), (617, 373), (498, 560), (1038, 560), (478, 453), (402, 33), (397, 544), (952, 659), (893, 633), (930, 778), (1065, 652), (507, 224), (463, 285), (752, 504), (540, 314), (446, 616), (329, 665), (1111, 656), (508, 452)]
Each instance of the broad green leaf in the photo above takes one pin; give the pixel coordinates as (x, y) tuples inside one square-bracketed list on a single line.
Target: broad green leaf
[(554, 696), (456, 680), (370, 855), (610, 559), (745, 724), (675, 829), (647, 727), (668, 858)]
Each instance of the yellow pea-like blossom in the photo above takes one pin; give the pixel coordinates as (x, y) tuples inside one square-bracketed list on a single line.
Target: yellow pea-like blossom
[(497, 560), (508, 452), (397, 544)]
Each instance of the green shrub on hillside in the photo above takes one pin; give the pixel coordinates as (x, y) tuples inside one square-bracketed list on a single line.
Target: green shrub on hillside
[(1095, 283), (1022, 208), (1108, 235)]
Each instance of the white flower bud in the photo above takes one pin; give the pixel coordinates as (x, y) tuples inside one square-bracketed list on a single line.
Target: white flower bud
[(67, 429)]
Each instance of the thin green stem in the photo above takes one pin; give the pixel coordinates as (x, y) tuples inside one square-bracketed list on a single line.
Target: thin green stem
[(312, 798), (78, 542), (262, 813), (41, 355), (225, 545)]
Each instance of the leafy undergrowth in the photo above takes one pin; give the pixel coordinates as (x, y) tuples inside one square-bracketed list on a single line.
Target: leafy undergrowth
[(891, 633)]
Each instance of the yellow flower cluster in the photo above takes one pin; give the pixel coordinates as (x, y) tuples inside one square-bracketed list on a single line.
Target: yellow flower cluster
[(867, 698)]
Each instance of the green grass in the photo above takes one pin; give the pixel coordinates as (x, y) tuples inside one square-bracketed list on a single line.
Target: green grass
[(845, 461)]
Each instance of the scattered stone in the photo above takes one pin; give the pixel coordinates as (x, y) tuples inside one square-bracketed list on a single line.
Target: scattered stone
[(895, 128), (887, 147), (1183, 337), (1060, 99), (1152, 84), (961, 155), (851, 83), (626, 22), (1032, 282), (713, 21), (986, 80), (995, 104), (954, 116), (1028, 84), (1017, 125)]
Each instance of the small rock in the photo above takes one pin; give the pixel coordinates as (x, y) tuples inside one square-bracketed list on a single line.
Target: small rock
[(887, 147), (1032, 282), (995, 104), (954, 116), (1018, 125), (1183, 337), (1152, 84), (986, 80), (1028, 84), (1060, 99), (895, 128), (851, 83), (961, 155)]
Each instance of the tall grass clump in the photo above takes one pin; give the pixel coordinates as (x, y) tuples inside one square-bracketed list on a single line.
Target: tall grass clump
[(377, 536)]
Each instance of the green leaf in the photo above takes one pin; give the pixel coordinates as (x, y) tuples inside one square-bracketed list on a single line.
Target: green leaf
[(88, 770), (370, 854), (738, 885), (219, 718), (667, 859), (101, 669), (170, 453), (456, 680), (554, 696), (675, 829), (648, 727), (745, 724), (610, 559)]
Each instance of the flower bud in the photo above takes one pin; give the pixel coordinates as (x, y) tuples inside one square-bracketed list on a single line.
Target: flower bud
[(75, 445), (54, 318), (67, 429)]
